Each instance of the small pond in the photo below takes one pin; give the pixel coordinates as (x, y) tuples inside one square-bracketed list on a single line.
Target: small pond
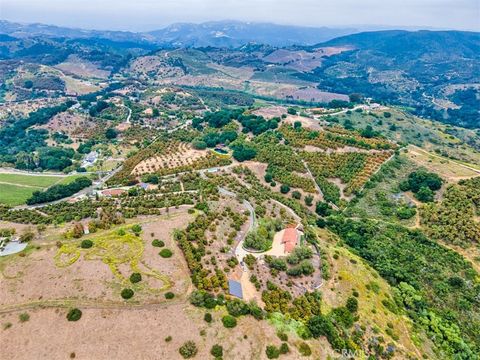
[(13, 247)]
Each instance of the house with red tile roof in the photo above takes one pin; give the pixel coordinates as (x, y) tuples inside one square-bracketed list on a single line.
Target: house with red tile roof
[(290, 239)]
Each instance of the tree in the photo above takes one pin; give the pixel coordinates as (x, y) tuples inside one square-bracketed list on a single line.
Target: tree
[(297, 125), (308, 200), (166, 253), (352, 304), (188, 350), (243, 152), (137, 229), (199, 144), (135, 278), (229, 321), (74, 315), (86, 244), (111, 133), (291, 111), (284, 189), (217, 351), (272, 352), (127, 293), (208, 317), (355, 97), (424, 194)]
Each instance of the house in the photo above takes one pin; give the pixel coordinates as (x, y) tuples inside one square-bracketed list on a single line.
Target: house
[(290, 239), (235, 288)]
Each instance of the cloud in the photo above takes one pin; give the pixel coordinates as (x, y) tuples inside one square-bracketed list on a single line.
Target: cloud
[(151, 14)]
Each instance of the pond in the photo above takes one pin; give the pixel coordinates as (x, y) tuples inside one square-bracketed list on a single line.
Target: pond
[(221, 151), (13, 247)]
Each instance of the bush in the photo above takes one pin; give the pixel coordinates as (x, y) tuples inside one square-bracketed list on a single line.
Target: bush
[(158, 243), (304, 349), (169, 295), (74, 314), (284, 189), (168, 338), (352, 304), (229, 321), (272, 352), (135, 278), (24, 317), (188, 350), (284, 349), (296, 195), (127, 293), (86, 244), (137, 229), (166, 253), (217, 351), (208, 317), (308, 200)]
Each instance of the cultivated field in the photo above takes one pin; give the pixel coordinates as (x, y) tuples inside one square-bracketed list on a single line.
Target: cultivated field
[(15, 189)]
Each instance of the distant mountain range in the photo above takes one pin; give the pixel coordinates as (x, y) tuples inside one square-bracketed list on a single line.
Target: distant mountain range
[(217, 33)]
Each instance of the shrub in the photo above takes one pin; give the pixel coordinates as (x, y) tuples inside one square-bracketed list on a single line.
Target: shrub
[(158, 243), (74, 314), (284, 189), (272, 352), (86, 244), (296, 195), (137, 229), (352, 304), (308, 200), (217, 351), (208, 317), (135, 278), (24, 317), (282, 336), (169, 295), (304, 349), (229, 321), (168, 338), (188, 350), (166, 253), (127, 293), (284, 349)]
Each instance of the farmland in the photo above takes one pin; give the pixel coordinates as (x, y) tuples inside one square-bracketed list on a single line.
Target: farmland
[(15, 189), (236, 204)]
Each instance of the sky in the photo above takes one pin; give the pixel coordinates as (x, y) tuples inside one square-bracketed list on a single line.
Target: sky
[(143, 15)]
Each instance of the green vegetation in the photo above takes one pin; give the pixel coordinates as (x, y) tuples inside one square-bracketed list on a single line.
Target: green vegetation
[(158, 243), (74, 314), (216, 351), (86, 244), (166, 253), (23, 317), (261, 238), (135, 278), (188, 350), (423, 184), (452, 220), (59, 191), (434, 298), (229, 321), (127, 293)]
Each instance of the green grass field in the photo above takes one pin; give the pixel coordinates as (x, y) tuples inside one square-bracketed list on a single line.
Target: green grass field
[(15, 189)]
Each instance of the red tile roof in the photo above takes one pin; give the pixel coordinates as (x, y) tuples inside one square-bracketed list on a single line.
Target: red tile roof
[(290, 238)]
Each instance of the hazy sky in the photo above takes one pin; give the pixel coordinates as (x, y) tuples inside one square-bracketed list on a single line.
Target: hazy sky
[(139, 15)]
